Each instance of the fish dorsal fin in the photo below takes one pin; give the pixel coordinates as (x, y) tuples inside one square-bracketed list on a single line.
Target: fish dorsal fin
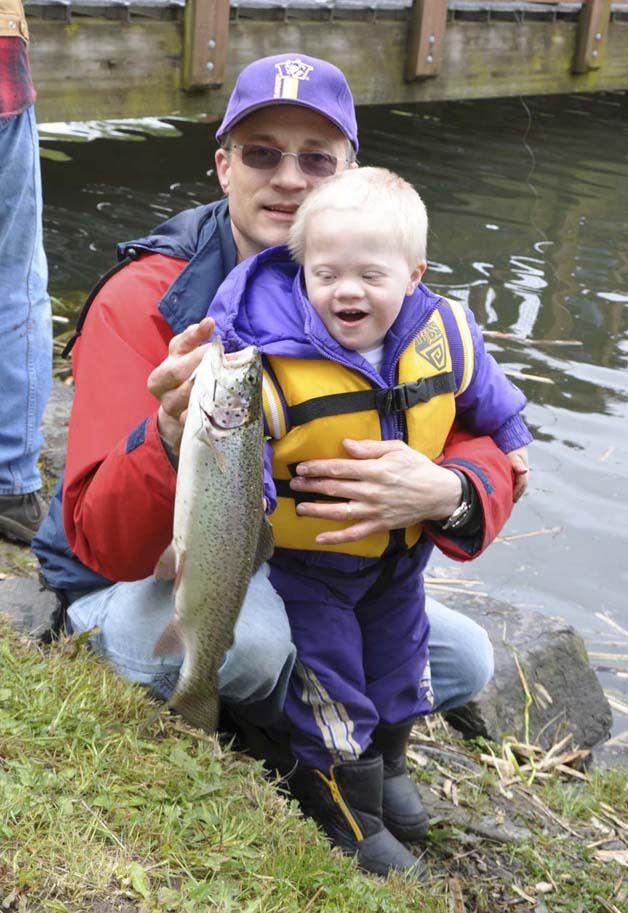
[(265, 544)]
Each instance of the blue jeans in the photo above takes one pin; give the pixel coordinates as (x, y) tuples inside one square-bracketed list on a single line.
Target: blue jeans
[(25, 320), (256, 669)]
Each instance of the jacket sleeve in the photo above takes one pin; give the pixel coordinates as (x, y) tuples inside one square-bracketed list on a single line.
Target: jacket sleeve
[(491, 404), (492, 476), (119, 484), (270, 490)]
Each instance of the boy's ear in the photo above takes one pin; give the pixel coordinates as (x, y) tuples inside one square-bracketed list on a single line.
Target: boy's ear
[(415, 278)]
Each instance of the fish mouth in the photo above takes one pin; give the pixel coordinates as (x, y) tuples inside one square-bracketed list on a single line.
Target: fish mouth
[(230, 422), (240, 358)]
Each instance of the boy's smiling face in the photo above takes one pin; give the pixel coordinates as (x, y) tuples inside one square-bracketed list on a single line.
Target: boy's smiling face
[(355, 275)]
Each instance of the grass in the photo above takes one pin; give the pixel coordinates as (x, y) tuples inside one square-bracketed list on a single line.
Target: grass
[(100, 802), (106, 806)]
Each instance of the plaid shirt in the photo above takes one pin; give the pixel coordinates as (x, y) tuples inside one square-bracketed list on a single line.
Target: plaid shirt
[(16, 85)]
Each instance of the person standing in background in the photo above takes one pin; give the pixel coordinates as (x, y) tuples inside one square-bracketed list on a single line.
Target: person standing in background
[(25, 318)]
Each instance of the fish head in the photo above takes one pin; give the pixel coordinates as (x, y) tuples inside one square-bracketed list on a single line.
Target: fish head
[(229, 388)]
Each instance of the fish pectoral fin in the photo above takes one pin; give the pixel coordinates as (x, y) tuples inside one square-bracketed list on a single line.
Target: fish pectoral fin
[(166, 567), (170, 641), (265, 544), (204, 435)]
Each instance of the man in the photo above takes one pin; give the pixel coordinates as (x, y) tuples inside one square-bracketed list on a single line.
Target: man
[(26, 349), (289, 123)]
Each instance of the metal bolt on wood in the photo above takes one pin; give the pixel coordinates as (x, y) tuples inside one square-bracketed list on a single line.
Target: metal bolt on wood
[(426, 31), (592, 34), (206, 31)]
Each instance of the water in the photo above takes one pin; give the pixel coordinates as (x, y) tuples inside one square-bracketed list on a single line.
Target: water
[(529, 226)]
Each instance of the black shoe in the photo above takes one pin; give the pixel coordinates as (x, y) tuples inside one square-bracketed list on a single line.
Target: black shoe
[(404, 813), (346, 802), (20, 516)]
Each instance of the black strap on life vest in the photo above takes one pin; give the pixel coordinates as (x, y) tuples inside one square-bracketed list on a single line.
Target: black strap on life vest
[(386, 401), (284, 491), (90, 300), (282, 487)]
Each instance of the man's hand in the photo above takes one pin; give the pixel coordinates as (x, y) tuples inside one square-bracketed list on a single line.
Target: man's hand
[(519, 462), (170, 381), (388, 485)]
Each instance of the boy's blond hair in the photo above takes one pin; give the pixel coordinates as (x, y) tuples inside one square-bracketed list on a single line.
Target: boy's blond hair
[(375, 190)]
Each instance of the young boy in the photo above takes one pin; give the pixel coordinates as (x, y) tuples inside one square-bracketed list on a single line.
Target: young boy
[(355, 347)]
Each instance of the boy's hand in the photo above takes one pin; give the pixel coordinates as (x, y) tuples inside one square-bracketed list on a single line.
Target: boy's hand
[(387, 484), (170, 381), (519, 462)]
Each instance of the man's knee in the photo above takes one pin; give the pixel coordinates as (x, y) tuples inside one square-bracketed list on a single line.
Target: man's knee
[(461, 657), (253, 667), (479, 664)]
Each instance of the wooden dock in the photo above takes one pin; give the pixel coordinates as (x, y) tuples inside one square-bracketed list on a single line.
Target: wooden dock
[(95, 59)]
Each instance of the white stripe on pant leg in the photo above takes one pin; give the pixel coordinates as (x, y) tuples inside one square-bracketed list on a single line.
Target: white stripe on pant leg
[(331, 717), (426, 682)]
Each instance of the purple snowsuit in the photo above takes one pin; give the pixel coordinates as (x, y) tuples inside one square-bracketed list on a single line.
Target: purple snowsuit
[(359, 624)]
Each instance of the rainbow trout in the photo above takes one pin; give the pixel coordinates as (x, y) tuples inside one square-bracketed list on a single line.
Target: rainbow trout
[(221, 535)]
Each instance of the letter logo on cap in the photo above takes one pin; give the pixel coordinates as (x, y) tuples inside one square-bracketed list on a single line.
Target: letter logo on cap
[(289, 74)]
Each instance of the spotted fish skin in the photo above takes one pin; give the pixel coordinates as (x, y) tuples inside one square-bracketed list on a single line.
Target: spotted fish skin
[(221, 534)]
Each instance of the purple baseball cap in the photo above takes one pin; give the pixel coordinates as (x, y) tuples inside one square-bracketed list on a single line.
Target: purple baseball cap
[(292, 79)]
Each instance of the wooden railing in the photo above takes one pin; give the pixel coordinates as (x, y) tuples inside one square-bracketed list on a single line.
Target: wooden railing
[(207, 32), (429, 22), (129, 58)]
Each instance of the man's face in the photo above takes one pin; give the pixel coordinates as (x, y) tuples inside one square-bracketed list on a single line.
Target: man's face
[(262, 203)]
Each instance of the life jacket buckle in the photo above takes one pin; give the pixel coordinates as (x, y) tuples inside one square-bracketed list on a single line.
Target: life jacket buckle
[(401, 397)]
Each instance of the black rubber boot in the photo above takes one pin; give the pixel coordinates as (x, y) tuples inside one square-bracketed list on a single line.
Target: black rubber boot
[(346, 802), (404, 813)]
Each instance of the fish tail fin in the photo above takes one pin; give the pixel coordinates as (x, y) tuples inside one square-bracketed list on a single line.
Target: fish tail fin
[(199, 706)]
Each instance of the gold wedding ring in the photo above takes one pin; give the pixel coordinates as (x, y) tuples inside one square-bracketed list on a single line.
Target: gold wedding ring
[(349, 511)]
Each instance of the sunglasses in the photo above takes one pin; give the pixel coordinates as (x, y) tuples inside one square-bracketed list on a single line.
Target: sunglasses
[(266, 158)]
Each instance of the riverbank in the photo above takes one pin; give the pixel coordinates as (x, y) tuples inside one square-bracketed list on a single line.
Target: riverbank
[(106, 806)]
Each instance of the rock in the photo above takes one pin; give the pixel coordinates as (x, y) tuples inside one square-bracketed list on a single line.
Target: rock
[(566, 695), (468, 820), (29, 607), (55, 428), (611, 755)]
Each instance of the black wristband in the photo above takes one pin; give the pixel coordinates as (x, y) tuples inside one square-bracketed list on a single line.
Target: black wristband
[(466, 519)]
